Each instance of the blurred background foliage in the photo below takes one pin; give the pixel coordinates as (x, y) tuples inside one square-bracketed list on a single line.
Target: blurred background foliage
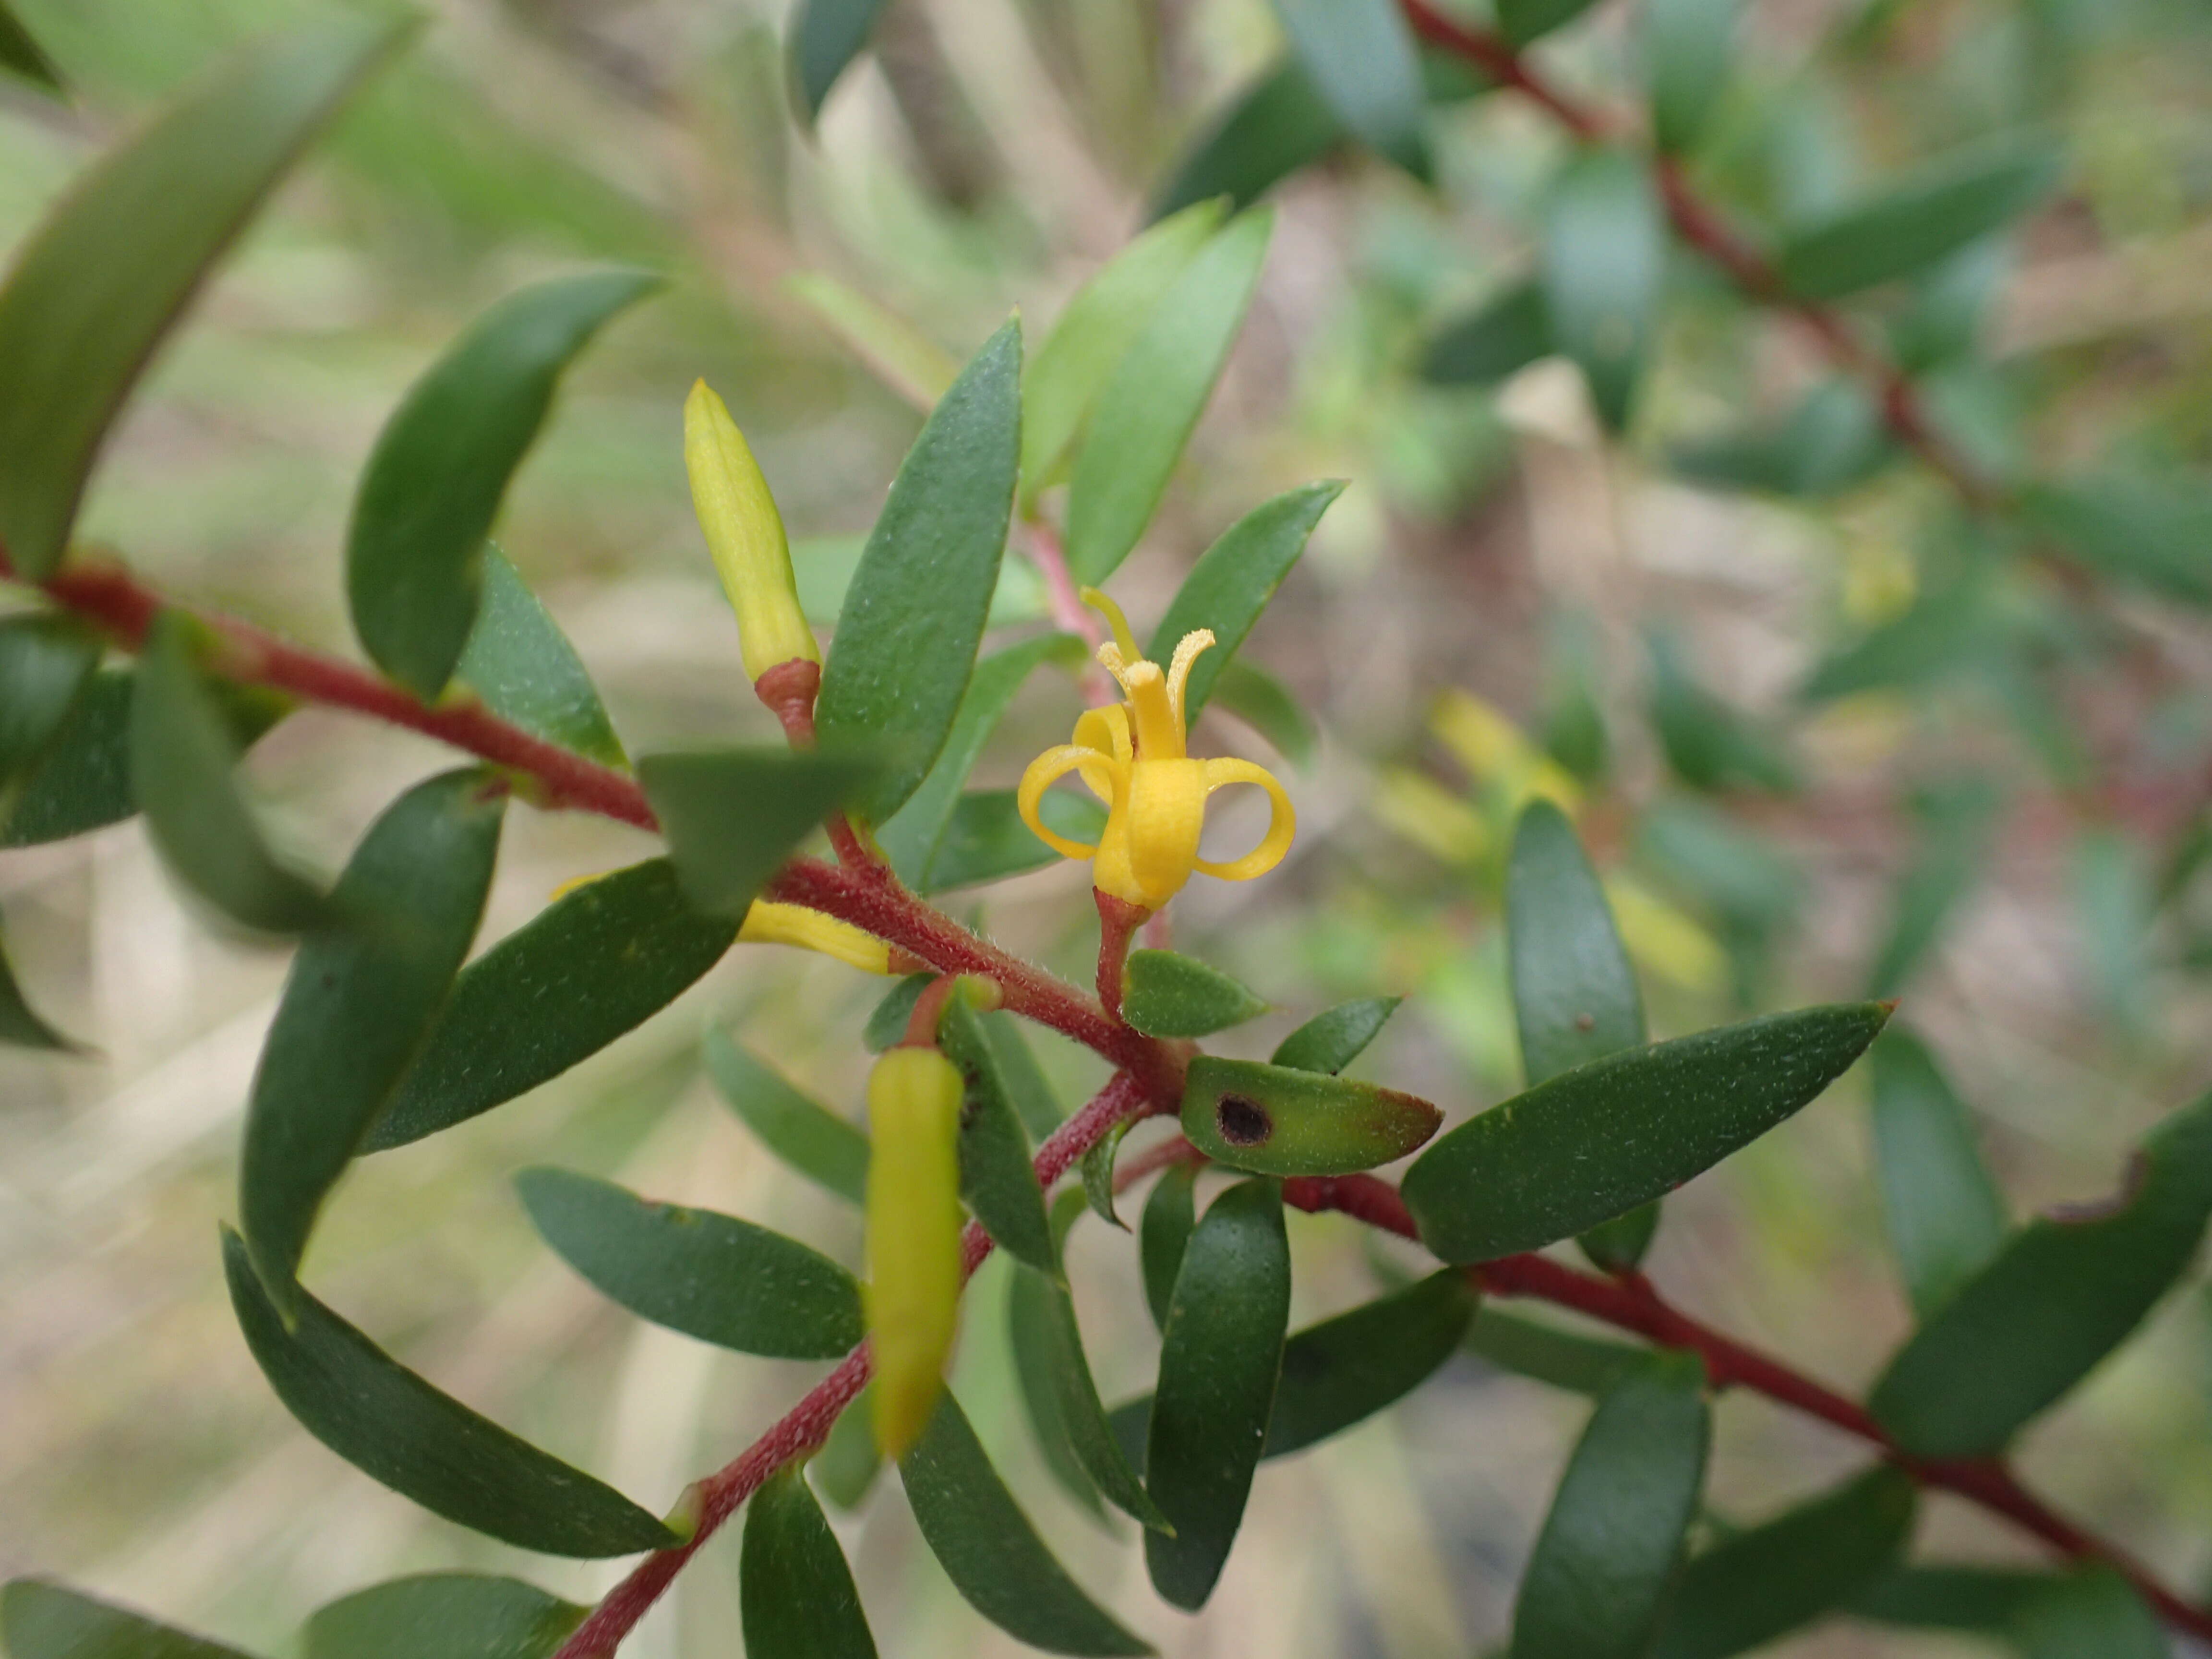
[(1828, 728)]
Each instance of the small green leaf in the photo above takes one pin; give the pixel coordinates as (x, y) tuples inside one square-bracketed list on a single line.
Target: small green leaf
[(21, 54), (1953, 627), (1772, 1579), (1145, 411), (1500, 337), (1833, 440), (1597, 1142), (1163, 1235), (2091, 1611), (45, 662), (1947, 1598), (1031, 1091), (905, 645), (357, 1005), (41, 1620), (596, 963), (1604, 255), (887, 1020), (826, 35), (443, 1615), (1075, 1403), (108, 272), (2061, 1295), (985, 839), (1918, 222), (1343, 1371), (1273, 1120), (1688, 48), (715, 1277), (182, 758), (1709, 745), (891, 347), (1956, 822), (1359, 55), (733, 816), (797, 1595), (1530, 1348), (846, 1466), (1521, 21), (1943, 1214), (427, 1446), (990, 1552), (2148, 530), (1031, 1323), (1330, 1041), (1167, 995), (1265, 704), (520, 663), (1098, 1174), (811, 1139), (20, 1025), (1619, 1245), (1598, 1579), (1277, 124), (997, 1181), (1221, 1352)]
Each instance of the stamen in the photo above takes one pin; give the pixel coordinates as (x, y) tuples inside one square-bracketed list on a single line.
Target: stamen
[(1122, 637), (1186, 653)]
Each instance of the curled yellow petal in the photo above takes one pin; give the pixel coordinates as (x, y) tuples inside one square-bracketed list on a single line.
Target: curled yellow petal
[(913, 1292), (1282, 820), (1043, 772), (770, 923), (745, 532)]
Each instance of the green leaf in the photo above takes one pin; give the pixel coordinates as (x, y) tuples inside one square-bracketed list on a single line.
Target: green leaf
[(1957, 820), (1163, 1235), (1603, 259), (1233, 580), (596, 963), (443, 1615), (1096, 328), (985, 840), (103, 280), (427, 1446), (733, 816), (1947, 1598), (182, 756), (2091, 1612), (1833, 440), (21, 1024), (1098, 1174), (1943, 1214), (45, 662), (887, 1021), (997, 1181), (1331, 1041), (846, 1466), (715, 1277), (1221, 1352), (1167, 995), (357, 1005), (1598, 1580), (797, 1595), (1344, 1370), (1359, 55), (1709, 745), (2062, 1294), (1530, 1348), (1597, 1142), (907, 361), (826, 35), (1951, 626), (1273, 1120), (2148, 531), (1521, 21), (905, 645), (1030, 1321), (520, 663), (1500, 337), (1277, 124), (1619, 1245), (990, 1552), (41, 1620), (1772, 1579), (1145, 411), (1031, 1091), (814, 1141), (1075, 1400), (1919, 220), (20, 55), (1688, 48), (1265, 704)]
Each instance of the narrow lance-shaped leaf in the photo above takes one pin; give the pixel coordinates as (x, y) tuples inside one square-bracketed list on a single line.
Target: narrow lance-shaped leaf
[(2146, 530), (21, 1024), (846, 1466), (1920, 220), (825, 36), (1955, 822), (809, 1137), (357, 1005), (897, 353), (1603, 259), (2091, 1610), (1167, 995), (1947, 1597), (997, 1180), (1832, 441), (1098, 1174), (45, 662), (433, 484), (733, 816), (1332, 1040), (1273, 1120), (443, 1615), (1943, 1214), (1076, 1404), (21, 54), (1687, 46), (42, 1620), (520, 663), (1525, 21), (1164, 1233), (797, 1597), (1032, 1092), (1709, 744), (103, 280), (1276, 125), (1267, 705), (1359, 55), (1500, 337), (1029, 1318), (425, 1445), (1544, 1353), (1597, 1142)]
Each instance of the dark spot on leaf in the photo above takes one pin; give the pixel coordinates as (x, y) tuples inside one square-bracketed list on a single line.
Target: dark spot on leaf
[(1242, 1120)]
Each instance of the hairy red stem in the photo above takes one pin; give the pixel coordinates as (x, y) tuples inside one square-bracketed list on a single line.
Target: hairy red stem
[(1118, 921)]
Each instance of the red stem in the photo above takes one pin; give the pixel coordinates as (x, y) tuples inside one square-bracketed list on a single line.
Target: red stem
[(1118, 921)]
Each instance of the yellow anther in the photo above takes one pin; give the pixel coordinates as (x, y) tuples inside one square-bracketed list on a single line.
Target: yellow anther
[(913, 1237), (745, 532), (770, 923)]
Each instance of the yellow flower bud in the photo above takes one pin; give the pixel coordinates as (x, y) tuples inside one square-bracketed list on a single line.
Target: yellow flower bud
[(770, 923), (745, 532), (913, 1237)]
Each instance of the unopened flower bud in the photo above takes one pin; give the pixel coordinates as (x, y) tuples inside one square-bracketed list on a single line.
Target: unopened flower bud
[(913, 1237), (745, 532), (770, 923)]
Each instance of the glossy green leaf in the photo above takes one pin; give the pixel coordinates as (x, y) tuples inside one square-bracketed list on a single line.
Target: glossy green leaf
[(1167, 995), (997, 1181), (1956, 825), (1688, 48), (899, 665), (357, 1005), (1031, 1091), (1500, 337), (797, 1595), (1097, 1171), (1273, 1120), (1344, 1370), (45, 663), (733, 816), (1709, 745), (596, 963), (443, 1615), (1942, 1211), (2148, 531), (846, 1466), (1772, 1579), (985, 840), (1145, 411), (1524, 21), (427, 1446), (1359, 55), (1603, 258), (1075, 1397), (1233, 580), (520, 663), (990, 1552), (1163, 1235), (1597, 1142), (1918, 220), (20, 55), (1265, 704), (811, 1139), (1221, 1352), (1034, 1341), (887, 1020), (1947, 1598), (1833, 440), (183, 757), (41, 1620), (826, 35), (1332, 1040), (723, 1281), (1546, 1354), (2062, 1294), (1598, 1579), (2092, 1613), (21, 1024), (103, 280)]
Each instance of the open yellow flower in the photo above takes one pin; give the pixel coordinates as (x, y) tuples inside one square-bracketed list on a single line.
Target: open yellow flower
[(1131, 756)]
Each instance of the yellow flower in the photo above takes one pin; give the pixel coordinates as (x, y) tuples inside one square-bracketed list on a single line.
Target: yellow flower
[(745, 532), (913, 1240), (1131, 757)]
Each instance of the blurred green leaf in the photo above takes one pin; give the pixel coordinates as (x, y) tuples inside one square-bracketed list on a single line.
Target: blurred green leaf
[(1331, 1041), (1530, 1348), (1599, 1577), (985, 839), (1603, 258), (733, 816), (892, 349), (1524, 21), (1951, 301), (42, 1620), (990, 1552), (2149, 530), (1168, 995), (1832, 441), (887, 1020), (1273, 1120), (1344, 1370), (358, 1005), (1359, 55), (19, 53), (1953, 628), (1688, 45), (443, 1615), (2063, 1293), (846, 1466), (2091, 1612), (1076, 1397), (2113, 897), (1920, 220), (1031, 1317), (1163, 1235), (796, 1595), (1597, 1142), (21, 1024), (1501, 337), (1265, 704), (104, 277), (425, 1445), (824, 36), (45, 663), (1031, 1091), (1097, 1171), (997, 1181), (1221, 1352), (1947, 1598), (1956, 824), (1145, 411), (1277, 124), (520, 663), (814, 1141), (1709, 745), (905, 645)]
